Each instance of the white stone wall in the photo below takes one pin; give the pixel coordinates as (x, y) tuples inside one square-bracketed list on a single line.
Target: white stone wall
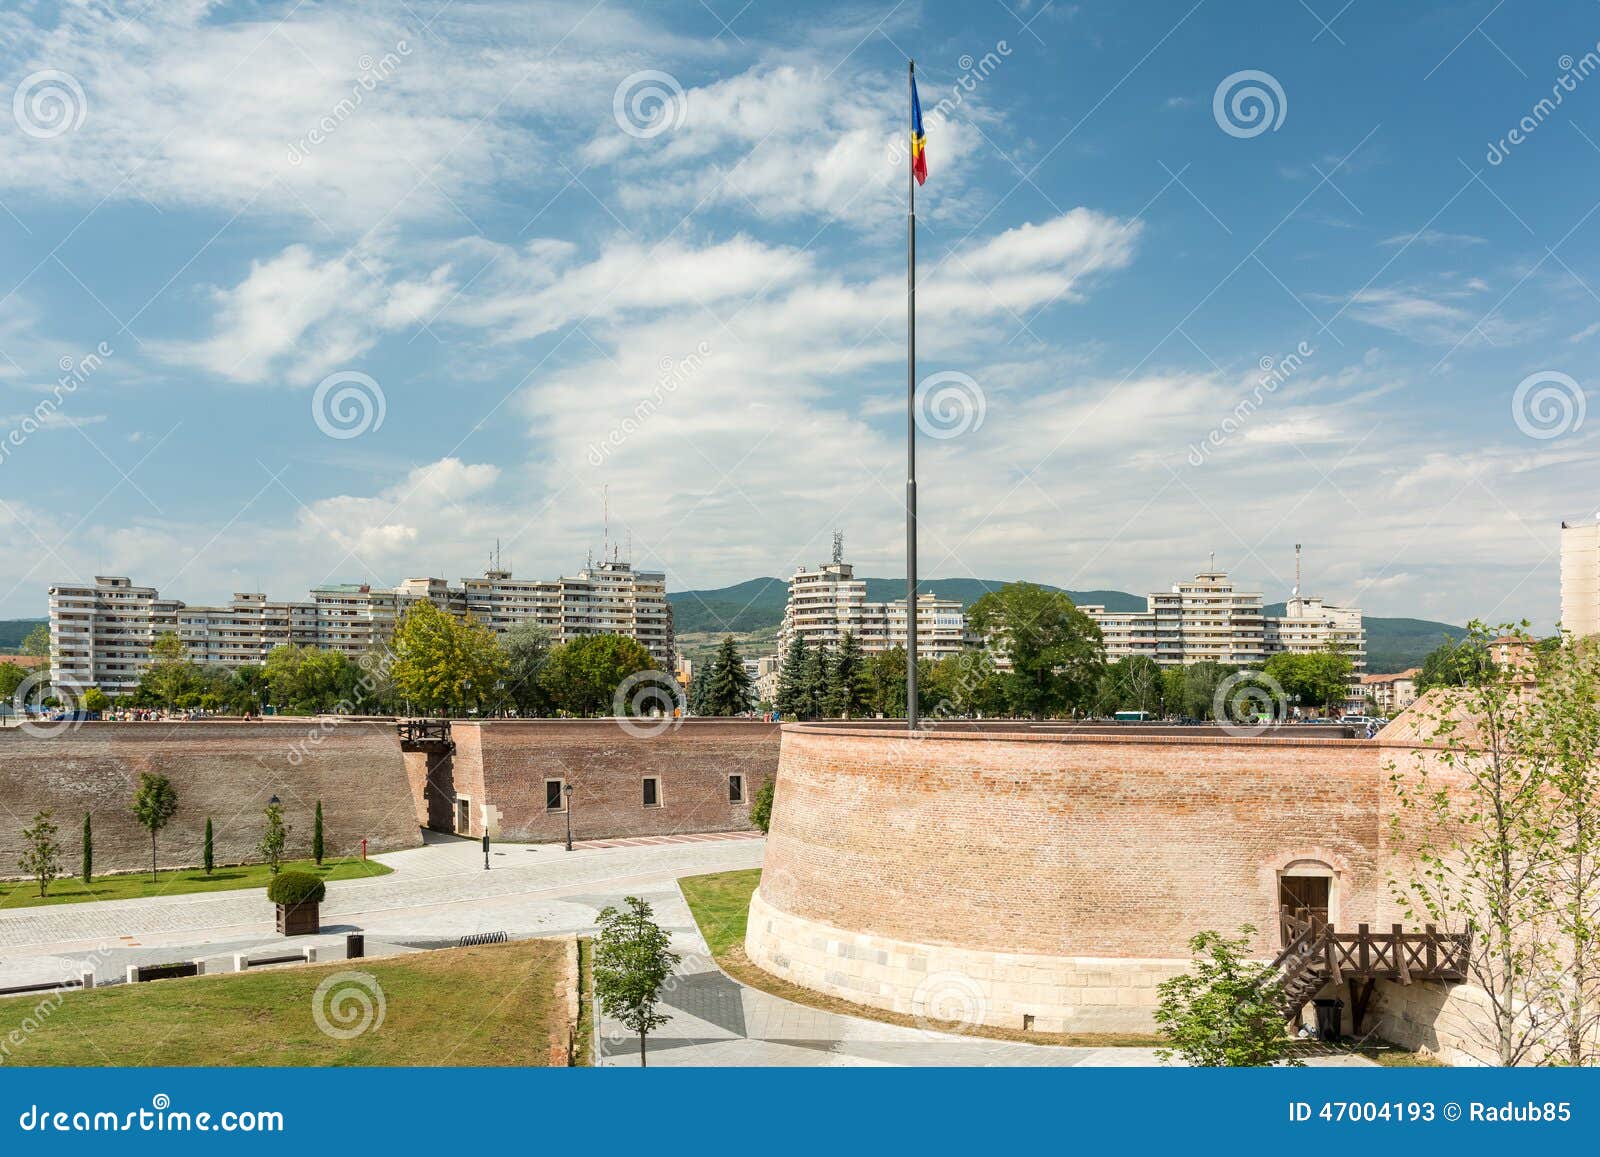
[(945, 984)]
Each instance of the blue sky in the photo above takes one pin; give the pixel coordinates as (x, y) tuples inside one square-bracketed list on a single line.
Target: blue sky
[(656, 252)]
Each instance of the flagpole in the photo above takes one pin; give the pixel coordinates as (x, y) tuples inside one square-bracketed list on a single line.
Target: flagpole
[(911, 416)]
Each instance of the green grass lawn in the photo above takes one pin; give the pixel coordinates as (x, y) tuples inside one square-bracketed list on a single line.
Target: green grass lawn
[(493, 1005), (174, 881), (721, 906)]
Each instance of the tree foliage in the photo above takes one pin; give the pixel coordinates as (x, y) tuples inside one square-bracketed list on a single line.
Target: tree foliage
[(1226, 1010), (632, 960), (728, 688), (1055, 650), (761, 806), (155, 802), (41, 852), (274, 835), (582, 676), (527, 648), (1319, 679), (443, 663)]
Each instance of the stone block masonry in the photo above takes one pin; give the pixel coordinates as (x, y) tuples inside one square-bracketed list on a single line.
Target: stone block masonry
[(226, 771)]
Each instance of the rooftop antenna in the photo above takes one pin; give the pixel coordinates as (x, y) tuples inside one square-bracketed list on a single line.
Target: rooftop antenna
[(1297, 570), (1213, 563), (838, 546)]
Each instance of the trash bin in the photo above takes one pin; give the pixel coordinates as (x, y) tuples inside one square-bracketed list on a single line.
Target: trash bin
[(1330, 1017), (355, 946)]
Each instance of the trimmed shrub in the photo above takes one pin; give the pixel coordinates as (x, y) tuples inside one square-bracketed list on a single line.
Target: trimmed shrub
[(296, 888)]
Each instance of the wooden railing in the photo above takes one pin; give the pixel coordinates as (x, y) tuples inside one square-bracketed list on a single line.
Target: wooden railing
[(1364, 954), (424, 731)]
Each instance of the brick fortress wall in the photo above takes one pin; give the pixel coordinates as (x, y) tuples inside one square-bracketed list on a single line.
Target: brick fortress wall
[(503, 764), (1015, 874), (226, 771)]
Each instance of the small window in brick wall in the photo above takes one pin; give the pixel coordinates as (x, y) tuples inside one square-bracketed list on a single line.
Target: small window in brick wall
[(652, 791), (553, 801), (736, 789)]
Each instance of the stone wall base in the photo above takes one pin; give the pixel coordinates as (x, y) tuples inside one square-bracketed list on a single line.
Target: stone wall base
[(964, 986)]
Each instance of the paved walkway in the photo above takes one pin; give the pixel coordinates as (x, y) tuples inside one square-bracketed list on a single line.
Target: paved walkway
[(717, 1021), (440, 892)]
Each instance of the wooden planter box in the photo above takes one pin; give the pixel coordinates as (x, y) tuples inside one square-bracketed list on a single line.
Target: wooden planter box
[(299, 919)]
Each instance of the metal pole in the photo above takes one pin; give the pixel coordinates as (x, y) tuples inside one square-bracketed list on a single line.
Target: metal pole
[(566, 792), (911, 423)]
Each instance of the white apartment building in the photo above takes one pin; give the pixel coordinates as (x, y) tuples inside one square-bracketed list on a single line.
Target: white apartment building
[(101, 634), (1206, 618), (826, 603), (1580, 577)]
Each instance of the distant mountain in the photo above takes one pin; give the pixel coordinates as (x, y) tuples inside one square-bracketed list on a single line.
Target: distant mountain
[(13, 631), (759, 603), (1392, 644)]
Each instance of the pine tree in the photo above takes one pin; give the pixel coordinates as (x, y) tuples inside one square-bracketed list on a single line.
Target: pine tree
[(88, 850), (730, 688), (316, 835), (699, 701), (791, 680), (848, 692), (817, 677), (209, 859)]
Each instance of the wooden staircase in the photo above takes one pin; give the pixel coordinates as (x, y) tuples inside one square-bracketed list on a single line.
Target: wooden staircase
[(1315, 955)]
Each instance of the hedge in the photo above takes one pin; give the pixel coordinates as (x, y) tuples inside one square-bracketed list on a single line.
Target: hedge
[(296, 888)]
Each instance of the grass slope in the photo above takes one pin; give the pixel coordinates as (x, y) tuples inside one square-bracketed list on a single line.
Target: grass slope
[(174, 881), (494, 1005)]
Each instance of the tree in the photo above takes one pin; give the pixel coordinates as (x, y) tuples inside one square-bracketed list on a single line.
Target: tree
[(886, 683), (730, 689), (1453, 663), (171, 677), (36, 643), (442, 663), (41, 854), (1056, 651), (86, 867), (1191, 690), (1564, 721), (848, 691), (584, 674), (1226, 1010), (154, 804), (761, 806), (632, 960), (316, 835), (791, 679), (96, 700), (12, 676), (1474, 812), (274, 837), (814, 679), (1319, 678), (1131, 684), (527, 650), (208, 853)]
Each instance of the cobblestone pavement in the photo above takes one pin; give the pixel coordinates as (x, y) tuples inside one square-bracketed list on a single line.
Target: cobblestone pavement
[(716, 1021)]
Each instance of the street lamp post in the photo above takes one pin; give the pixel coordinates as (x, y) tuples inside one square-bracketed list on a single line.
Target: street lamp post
[(566, 791)]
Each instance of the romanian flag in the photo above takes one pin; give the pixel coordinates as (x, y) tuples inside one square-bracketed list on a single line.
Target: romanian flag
[(919, 140)]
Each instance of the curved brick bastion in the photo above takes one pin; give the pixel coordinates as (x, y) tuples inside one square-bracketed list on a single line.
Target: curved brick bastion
[(1049, 877)]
